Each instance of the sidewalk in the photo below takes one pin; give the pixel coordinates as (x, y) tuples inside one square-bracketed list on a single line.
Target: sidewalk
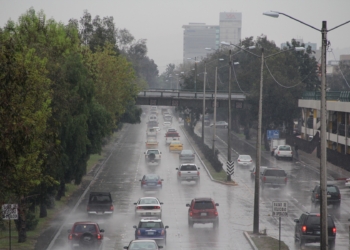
[(311, 160)]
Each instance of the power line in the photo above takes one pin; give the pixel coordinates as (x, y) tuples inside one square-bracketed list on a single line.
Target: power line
[(341, 72)]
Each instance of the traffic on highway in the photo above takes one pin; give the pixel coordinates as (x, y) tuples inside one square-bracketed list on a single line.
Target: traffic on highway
[(165, 198)]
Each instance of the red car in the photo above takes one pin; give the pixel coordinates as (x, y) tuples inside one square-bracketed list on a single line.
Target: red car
[(85, 235), (203, 210)]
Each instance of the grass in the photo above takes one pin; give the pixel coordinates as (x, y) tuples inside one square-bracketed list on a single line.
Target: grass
[(51, 214), (267, 243)]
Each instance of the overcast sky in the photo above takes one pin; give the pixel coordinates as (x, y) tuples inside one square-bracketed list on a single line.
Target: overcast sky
[(160, 21)]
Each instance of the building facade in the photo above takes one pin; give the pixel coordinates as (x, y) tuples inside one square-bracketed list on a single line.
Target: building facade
[(198, 37), (230, 27)]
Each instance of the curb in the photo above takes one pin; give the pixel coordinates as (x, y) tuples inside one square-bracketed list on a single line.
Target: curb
[(251, 242)]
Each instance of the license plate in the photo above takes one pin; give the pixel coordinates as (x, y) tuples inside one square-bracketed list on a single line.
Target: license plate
[(151, 184), (329, 196), (150, 233), (203, 214), (148, 213)]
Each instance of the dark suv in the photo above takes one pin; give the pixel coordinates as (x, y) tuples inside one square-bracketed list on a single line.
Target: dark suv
[(333, 195), (85, 235), (203, 210), (308, 229)]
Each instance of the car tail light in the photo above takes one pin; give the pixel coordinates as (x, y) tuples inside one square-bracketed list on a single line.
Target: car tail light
[(317, 196), (70, 237), (138, 232), (264, 179), (159, 182), (138, 207), (303, 229), (251, 160), (143, 182), (278, 152), (216, 213), (191, 213), (162, 232), (291, 152), (111, 208), (179, 173), (198, 173), (334, 230), (238, 160), (99, 236), (156, 207)]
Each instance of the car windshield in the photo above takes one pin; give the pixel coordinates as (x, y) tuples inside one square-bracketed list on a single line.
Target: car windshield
[(172, 135), (188, 168), (245, 157), (332, 189), (100, 199), (81, 228), (151, 177), (284, 148), (275, 172), (148, 201), (143, 245), (203, 205), (150, 224), (152, 152), (316, 220)]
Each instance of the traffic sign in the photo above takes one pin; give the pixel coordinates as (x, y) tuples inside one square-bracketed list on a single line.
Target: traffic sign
[(230, 167), (280, 208), (273, 134), (9, 211)]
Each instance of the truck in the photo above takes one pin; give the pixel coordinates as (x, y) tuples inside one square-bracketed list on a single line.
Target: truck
[(274, 177), (151, 143), (171, 136), (100, 204), (153, 156), (188, 172), (274, 143)]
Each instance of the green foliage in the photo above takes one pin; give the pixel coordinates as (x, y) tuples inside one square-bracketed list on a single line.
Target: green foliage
[(31, 221)]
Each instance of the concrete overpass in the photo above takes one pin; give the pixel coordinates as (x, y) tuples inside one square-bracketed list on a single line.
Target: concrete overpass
[(163, 97)]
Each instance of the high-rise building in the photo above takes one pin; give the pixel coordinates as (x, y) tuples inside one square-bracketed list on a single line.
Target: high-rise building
[(198, 37), (230, 27)]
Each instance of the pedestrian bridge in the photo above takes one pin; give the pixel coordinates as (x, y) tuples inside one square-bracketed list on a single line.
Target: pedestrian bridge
[(163, 97)]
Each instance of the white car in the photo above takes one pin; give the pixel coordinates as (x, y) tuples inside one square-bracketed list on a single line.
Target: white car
[(347, 182), (283, 151), (220, 124), (244, 160), (166, 124), (148, 207)]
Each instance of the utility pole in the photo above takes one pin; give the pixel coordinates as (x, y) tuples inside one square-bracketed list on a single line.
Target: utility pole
[(195, 74), (323, 171), (203, 113), (214, 122), (229, 117), (258, 152)]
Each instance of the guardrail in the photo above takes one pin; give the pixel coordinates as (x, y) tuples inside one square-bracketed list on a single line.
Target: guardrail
[(189, 95)]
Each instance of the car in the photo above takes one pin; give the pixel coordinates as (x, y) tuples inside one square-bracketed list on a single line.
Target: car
[(333, 195), (166, 124), (220, 124), (244, 160), (148, 207), (151, 229), (308, 229), (203, 210), (100, 204), (143, 244), (252, 172), (187, 155), (151, 182), (273, 177), (188, 172), (283, 151), (85, 235), (175, 146)]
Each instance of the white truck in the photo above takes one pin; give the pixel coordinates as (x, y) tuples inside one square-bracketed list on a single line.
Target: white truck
[(188, 172), (274, 143), (153, 156)]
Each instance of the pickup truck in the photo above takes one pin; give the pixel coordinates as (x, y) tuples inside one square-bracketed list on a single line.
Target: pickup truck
[(153, 156), (100, 204), (284, 151), (171, 136), (274, 177), (151, 143), (188, 172)]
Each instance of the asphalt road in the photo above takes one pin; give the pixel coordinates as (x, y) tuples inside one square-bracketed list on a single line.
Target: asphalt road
[(301, 180)]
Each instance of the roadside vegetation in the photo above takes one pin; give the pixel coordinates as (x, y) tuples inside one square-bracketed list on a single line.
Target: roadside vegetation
[(264, 242), (64, 89)]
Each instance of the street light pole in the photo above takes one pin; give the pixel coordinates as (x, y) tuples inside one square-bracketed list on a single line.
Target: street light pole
[(229, 117), (195, 74), (258, 152), (214, 122), (203, 112)]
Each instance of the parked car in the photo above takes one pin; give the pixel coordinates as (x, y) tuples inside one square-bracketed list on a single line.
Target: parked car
[(252, 172), (203, 210), (100, 204), (143, 244), (85, 235), (151, 182), (176, 146), (187, 155), (283, 151), (188, 172), (220, 124), (151, 229), (148, 207), (273, 177), (333, 195), (308, 229), (244, 160)]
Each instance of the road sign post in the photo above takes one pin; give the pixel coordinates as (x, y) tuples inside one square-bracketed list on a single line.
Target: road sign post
[(279, 209), (230, 168), (9, 212)]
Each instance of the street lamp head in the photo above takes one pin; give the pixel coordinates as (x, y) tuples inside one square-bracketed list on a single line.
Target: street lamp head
[(225, 43), (271, 14), (235, 63)]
